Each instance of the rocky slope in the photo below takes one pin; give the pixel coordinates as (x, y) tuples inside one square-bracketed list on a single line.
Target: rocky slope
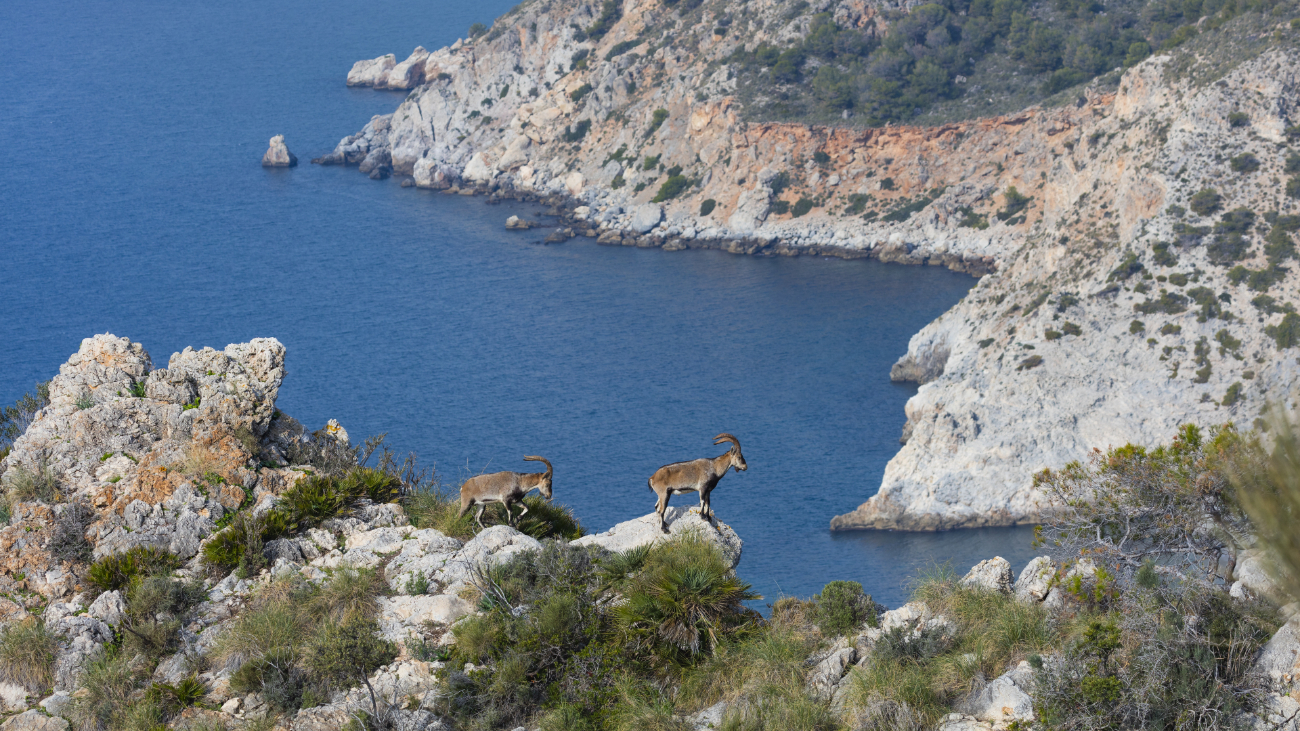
[(1042, 360), (131, 455)]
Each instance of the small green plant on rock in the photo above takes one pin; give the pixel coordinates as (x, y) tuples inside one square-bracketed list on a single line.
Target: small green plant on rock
[(27, 654), (1205, 202)]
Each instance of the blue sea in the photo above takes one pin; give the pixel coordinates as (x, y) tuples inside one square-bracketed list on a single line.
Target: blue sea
[(132, 201)]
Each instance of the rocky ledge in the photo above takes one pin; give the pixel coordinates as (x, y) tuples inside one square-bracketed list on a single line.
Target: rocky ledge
[(1113, 306)]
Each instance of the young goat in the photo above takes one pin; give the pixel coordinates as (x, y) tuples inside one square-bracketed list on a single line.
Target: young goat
[(506, 488), (697, 475)]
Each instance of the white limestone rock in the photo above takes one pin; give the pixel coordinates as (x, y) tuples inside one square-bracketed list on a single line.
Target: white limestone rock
[(993, 574), (401, 617), (372, 72), (681, 520), (109, 606), (1279, 660), (277, 154), (824, 678), (646, 217), (1035, 580), (1004, 700), (34, 721)]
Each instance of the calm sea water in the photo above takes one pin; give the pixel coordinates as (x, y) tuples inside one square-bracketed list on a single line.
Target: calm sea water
[(132, 202)]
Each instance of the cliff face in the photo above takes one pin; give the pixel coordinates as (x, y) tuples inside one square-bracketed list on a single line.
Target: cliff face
[(1042, 361)]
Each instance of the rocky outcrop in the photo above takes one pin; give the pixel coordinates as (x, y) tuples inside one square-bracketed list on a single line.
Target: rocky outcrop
[(1042, 360), (278, 155), (644, 531)]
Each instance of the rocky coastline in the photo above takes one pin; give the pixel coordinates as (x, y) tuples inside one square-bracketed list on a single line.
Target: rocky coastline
[(1108, 310)]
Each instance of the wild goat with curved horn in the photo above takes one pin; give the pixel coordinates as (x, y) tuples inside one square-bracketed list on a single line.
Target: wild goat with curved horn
[(697, 475), (506, 488)]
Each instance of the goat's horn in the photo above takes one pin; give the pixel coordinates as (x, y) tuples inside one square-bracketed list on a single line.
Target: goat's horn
[(725, 437)]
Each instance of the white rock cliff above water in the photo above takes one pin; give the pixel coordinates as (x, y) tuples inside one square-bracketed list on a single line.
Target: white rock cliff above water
[(1044, 360)]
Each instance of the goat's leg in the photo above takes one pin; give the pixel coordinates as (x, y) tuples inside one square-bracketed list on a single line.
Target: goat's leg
[(524, 511), (661, 507), (706, 510), (478, 517)]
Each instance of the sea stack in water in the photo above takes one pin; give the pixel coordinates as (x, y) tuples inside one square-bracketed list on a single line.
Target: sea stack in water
[(278, 155)]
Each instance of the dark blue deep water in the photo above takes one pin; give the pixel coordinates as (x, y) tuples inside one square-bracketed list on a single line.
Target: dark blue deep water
[(132, 202)]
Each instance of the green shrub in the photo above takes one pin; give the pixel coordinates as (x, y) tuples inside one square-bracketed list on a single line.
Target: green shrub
[(156, 607), (1286, 333), (171, 699), (1069, 328), (1127, 268), (620, 48), (842, 607), (477, 29), (575, 132), (1205, 202), (1015, 204), (578, 93), (1170, 303), (27, 655), (1030, 363), (349, 593), (15, 419), (1049, 334), (116, 572), (802, 207), (1293, 186), (1244, 163), (1238, 119), (350, 651), (1292, 164), (1233, 394), (780, 208), (674, 186), (657, 119), (707, 206), (610, 12), (650, 163), (970, 219)]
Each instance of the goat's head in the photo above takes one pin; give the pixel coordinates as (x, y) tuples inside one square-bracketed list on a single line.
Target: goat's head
[(544, 485), (737, 459)]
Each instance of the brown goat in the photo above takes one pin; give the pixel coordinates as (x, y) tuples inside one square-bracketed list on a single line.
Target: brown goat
[(506, 488), (697, 475)]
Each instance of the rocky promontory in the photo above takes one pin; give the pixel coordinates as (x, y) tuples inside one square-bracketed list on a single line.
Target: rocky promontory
[(1114, 304)]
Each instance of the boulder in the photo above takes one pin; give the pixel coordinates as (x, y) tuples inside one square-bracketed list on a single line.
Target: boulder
[(13, 697), (407, 74), (1035, 580), (681, 520), (1004, 700), (401, 617), (824, 678), (958, 722), (493, 546), (372, 72), (515, 223), (646, 217), (109, 607), (1279, 661), (751, 210), (993, 574), (1252, 574), (277, 154), (709, 718), (34, 721)]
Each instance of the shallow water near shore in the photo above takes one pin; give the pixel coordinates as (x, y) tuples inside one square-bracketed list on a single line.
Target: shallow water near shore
[(133, 203)]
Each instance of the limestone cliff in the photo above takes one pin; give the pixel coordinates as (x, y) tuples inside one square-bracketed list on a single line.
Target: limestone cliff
[(1043, 360)]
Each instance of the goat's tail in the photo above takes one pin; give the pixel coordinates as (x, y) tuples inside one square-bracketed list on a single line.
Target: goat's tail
[(543, 460)]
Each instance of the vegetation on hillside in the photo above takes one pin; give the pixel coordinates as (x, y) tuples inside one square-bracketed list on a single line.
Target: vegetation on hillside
[(978, 55)]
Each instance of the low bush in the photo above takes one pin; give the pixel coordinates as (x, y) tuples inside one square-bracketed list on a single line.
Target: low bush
[(68, 539), (842, 606), (27, 654), (557, 638), (23, 484), (1205, 202), (1244, 163), (657, 119), (1015, 204), (156, 607), (578, 93), (116, 572), (674, 186), (108, 684), (15, 419), (802, 207), (349, 651), (707, 206), (576, 131)]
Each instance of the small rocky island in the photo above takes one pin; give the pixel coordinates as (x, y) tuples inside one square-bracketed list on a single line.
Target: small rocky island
[(277, 154)]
